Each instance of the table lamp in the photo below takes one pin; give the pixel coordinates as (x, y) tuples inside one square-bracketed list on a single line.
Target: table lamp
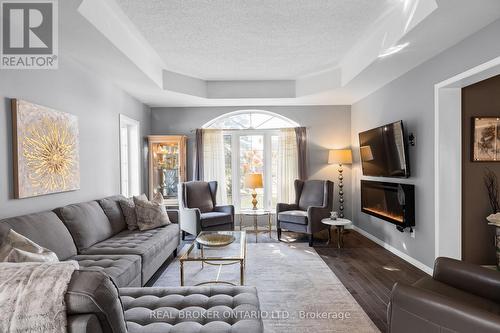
[(254, 181), (340, 156)]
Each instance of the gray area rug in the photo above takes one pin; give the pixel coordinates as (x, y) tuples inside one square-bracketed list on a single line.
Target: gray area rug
[(297, 290)]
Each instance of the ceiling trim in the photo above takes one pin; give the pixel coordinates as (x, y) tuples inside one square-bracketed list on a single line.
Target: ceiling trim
[(107, 17), (99, 35)]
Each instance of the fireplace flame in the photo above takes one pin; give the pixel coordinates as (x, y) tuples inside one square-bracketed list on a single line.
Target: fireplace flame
[(395, 217)]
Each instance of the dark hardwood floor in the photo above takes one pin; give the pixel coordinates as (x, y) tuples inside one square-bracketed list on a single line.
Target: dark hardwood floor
[(368, 271)]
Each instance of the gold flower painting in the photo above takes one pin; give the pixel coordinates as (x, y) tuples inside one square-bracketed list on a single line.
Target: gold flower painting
[(46, 151)]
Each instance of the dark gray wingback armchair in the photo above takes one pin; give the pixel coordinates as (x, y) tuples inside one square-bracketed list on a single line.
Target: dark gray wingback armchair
[(198, 209), (313, 202)]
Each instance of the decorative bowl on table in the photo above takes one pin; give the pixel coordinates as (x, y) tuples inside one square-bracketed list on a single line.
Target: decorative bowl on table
[(215, 240)]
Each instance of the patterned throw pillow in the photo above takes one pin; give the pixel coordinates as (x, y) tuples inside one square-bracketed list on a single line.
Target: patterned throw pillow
[(17, 248), (128, 209), (150, 215)]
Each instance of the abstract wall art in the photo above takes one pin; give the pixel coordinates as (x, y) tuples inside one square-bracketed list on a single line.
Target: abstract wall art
[(45, 150)]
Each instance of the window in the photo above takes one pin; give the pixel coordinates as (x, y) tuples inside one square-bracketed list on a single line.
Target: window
[(129, 156), (251, 146)]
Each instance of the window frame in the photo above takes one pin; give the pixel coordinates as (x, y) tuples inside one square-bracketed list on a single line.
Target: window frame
[(236, 134), (267, 134), (133, 156), (209, 124)]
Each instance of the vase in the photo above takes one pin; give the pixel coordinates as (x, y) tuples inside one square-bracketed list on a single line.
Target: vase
[(497, 245), (497, 242)]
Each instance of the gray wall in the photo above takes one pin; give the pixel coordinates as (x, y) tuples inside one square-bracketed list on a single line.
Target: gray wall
[(96, 102), (328, 127), (411, 98)]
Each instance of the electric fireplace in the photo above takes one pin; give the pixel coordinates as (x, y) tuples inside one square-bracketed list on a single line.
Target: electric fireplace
[(392, 202)]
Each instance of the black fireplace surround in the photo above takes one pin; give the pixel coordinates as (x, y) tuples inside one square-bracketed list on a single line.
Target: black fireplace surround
[(392, 202)]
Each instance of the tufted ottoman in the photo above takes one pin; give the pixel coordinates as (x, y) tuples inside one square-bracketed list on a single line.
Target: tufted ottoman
[(217, 309)]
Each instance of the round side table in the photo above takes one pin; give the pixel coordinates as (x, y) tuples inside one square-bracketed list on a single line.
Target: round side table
[(340, 223), (255, 214)]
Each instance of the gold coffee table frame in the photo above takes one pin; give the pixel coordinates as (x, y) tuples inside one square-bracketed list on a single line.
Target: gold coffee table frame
[(256, 213), (236, 257)]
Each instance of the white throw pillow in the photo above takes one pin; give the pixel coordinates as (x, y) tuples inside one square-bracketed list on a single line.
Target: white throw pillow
[(128, 209), (150, 215), (17, 248)]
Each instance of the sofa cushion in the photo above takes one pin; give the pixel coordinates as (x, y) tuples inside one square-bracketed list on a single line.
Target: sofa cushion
[(313, 194), (87, 223), (428, 283), (198, 195), (154, 246), (192, 309), (293, 216), (125, 270), (45, 229), (212, 219), (93, 292), (112, 209)]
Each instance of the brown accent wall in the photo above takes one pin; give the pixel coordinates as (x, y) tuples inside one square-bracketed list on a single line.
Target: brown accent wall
[(478, 245)]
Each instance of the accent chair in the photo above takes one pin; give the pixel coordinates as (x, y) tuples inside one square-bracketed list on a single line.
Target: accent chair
[(313, 202), (198, 210)]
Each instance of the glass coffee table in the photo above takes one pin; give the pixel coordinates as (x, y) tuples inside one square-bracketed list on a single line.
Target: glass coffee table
[(211, 248)]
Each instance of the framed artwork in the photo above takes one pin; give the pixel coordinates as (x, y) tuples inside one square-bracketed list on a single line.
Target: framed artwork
[(45, 150), (485, 139)]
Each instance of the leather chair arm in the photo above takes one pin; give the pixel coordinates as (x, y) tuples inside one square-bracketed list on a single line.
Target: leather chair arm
[(190, 214), (477, 280), (283, 207), (317, 213), (229, 209), (190, 220), (425, 311)]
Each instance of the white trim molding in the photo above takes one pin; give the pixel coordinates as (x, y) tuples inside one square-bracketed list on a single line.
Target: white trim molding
[(397, 252), (448, 157)]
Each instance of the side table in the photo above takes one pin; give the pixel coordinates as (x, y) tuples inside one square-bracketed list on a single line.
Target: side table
[(255, 213), (340, 223)]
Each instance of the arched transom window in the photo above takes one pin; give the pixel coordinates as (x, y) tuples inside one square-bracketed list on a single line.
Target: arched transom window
[(250, 119), (251, 140)]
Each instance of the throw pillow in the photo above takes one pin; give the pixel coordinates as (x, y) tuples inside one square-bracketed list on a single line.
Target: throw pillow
[(128, 209), (157, 198), (150, 215), (17, 248)]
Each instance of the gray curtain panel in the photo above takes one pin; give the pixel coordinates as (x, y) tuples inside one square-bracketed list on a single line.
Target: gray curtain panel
[(198, 158), (301, 133)]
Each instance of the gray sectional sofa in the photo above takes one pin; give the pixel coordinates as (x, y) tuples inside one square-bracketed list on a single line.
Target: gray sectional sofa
[(95, 234), (104, 295)]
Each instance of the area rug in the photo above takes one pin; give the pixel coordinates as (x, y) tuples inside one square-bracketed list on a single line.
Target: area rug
[(297, 291)]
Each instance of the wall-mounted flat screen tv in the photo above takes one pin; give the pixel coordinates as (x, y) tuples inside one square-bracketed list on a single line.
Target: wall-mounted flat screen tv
[(384, 151)]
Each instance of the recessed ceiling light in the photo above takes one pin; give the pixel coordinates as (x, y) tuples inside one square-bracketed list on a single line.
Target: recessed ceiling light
[(392, 50)]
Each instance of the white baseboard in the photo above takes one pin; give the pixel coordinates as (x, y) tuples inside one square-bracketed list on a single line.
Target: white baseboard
[(400, 254)]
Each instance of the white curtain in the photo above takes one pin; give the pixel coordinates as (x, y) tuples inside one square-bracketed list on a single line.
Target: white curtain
[(288, 168), (214, 162)]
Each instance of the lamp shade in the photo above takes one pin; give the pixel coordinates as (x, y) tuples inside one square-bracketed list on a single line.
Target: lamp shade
[(340, 156), (253, 180)]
